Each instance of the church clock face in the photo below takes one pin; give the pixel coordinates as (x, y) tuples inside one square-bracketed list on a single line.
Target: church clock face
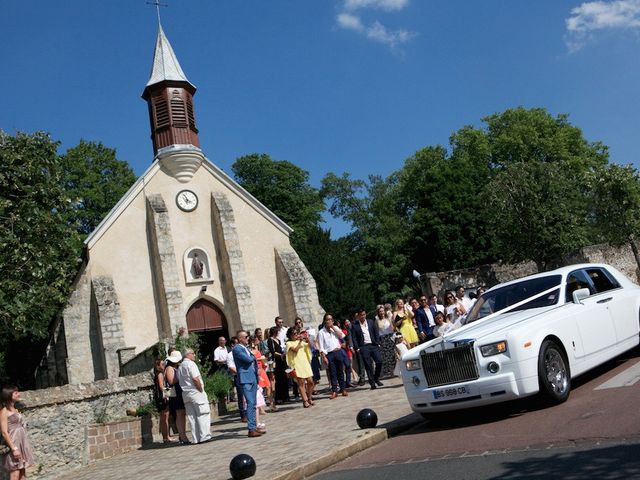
[(186, 200)]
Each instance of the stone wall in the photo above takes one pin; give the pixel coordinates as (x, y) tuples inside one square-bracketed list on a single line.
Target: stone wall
[(110, 322), (235, 286), (297, 290), (165, 270), (621, 258), (58, 417), (105, 440)]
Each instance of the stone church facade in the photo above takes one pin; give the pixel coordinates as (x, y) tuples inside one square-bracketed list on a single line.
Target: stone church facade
[(185, 248)]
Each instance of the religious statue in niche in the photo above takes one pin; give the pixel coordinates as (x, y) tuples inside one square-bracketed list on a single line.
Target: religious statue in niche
[(197, 267)]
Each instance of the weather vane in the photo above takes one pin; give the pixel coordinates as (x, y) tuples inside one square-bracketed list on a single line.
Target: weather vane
[(158, 5)]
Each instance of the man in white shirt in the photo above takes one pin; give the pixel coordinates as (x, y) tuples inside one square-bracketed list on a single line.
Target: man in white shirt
[(435, 306), (366, 341), (466, 301), (282, 332), (331, 352), (220, 354), (195, 399)]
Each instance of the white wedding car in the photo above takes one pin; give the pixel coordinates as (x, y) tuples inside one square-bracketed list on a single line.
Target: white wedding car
[(524, 337)]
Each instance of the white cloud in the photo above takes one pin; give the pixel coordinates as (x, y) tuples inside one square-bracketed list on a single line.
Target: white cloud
[(350, 22), (376, 31), (590, 17), (387, 5), (380, 33)]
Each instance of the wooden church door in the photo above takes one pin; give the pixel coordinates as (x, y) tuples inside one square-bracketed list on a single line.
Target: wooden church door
[(208, 321)]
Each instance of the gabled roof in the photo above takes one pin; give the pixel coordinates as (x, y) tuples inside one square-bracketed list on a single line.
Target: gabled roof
[(165, 63), (215, 171)]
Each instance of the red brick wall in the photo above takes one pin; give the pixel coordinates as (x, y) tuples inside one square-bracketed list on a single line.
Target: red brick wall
[(113, 438)]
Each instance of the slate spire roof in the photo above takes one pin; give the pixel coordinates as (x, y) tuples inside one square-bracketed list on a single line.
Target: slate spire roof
[(165, 63)]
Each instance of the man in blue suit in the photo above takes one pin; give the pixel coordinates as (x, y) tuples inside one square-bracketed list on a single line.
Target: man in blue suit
[(424, 318), (366, 341), (247, 372)]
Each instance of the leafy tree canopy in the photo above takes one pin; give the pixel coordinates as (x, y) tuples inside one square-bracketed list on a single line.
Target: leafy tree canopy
[(512, 190), (39, 250), (284, 188), (94, 179)]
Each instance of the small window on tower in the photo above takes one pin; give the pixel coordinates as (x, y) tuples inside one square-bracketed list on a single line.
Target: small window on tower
[(161, 111), (192, 118), (178, 111)]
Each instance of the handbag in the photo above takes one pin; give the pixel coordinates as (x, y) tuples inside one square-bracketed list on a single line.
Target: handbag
[(291, 373)]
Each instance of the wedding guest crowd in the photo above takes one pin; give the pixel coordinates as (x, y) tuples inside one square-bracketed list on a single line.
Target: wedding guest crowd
[(276, 366)]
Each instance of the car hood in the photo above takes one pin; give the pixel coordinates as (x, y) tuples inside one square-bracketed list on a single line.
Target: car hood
[(480, 329)]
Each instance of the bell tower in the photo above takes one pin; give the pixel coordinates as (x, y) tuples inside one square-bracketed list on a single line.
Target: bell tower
[(169, 97)]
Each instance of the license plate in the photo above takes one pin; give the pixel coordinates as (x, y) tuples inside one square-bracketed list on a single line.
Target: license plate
[(452, 392)]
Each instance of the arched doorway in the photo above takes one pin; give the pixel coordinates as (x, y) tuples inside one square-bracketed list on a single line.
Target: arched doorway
[(209, 323)]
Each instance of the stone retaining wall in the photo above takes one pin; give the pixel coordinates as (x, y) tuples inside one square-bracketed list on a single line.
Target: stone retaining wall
[(113, 438), (621, 258), (58, 418)]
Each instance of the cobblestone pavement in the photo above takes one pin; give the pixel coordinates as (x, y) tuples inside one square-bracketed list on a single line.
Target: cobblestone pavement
[(299, 441)]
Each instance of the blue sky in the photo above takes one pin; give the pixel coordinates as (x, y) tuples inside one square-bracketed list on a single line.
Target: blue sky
[(334, 85)]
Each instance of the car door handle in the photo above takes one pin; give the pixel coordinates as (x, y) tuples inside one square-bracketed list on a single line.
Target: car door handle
[(605, 300)]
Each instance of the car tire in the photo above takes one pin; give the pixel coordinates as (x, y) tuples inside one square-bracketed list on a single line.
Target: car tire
[(554, 376)]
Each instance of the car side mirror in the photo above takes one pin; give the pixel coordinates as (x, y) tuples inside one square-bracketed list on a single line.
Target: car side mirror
[(580, 295)]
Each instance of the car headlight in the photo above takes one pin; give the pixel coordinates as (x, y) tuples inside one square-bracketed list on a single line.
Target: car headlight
[(412, 365), (493, 348)]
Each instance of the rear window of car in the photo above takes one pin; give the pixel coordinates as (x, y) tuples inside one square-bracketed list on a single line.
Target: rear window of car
[(602, 280)]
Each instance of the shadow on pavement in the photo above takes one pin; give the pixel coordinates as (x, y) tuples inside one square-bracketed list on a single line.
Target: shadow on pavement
[(621, 461)]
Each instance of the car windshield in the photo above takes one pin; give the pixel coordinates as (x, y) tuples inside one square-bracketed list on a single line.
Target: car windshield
[(501, 298)]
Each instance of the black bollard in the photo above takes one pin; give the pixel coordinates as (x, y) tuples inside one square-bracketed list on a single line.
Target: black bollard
[(242, 466), (367, 418)]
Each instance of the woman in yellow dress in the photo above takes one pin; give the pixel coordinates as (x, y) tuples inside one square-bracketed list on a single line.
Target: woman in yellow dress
[(299, 359), (403, 321)]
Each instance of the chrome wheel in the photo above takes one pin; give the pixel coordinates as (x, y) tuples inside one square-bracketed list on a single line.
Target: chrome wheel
[(556, 371), (554, 376)]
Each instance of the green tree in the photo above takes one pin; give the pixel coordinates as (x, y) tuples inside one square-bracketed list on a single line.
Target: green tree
[(537, 203), (616, 205), (340, 273), (94, 180), (38, 248), (378, 216), (283, 188)]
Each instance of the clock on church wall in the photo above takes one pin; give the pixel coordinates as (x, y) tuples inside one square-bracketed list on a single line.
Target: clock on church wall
[(186, 200)]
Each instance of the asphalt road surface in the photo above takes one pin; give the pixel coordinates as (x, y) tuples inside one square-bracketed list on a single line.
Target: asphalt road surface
[(595, 434)]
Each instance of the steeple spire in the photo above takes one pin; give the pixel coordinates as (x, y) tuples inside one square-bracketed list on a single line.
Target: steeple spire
[(170, 98), (165, 63)]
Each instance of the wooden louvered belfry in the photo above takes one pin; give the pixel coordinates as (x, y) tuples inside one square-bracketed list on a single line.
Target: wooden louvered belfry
[(169, 96)]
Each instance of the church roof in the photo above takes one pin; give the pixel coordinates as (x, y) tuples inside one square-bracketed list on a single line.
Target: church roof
[(165, 63), (219, 174)]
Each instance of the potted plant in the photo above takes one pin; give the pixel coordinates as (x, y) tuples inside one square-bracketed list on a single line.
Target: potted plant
[(217, 387)]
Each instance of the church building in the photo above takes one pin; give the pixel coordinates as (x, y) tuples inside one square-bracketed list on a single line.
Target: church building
[(185, 249)]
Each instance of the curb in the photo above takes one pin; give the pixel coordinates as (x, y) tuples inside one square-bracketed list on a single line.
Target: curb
[(365, 440)]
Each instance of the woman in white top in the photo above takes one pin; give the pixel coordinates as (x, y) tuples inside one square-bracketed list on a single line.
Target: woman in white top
[(385, 330), (454, 308)]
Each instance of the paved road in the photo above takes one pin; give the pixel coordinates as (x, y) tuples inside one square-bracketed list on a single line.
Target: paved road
[(601, 460), (603, 406)]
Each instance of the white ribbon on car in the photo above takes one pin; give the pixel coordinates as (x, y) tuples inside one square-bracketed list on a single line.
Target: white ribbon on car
[(506, 309)]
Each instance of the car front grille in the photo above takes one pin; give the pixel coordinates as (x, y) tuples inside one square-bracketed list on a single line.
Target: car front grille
[(451, 365)]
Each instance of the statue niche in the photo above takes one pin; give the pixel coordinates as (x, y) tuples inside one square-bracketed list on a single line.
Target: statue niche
[(196, 266)]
